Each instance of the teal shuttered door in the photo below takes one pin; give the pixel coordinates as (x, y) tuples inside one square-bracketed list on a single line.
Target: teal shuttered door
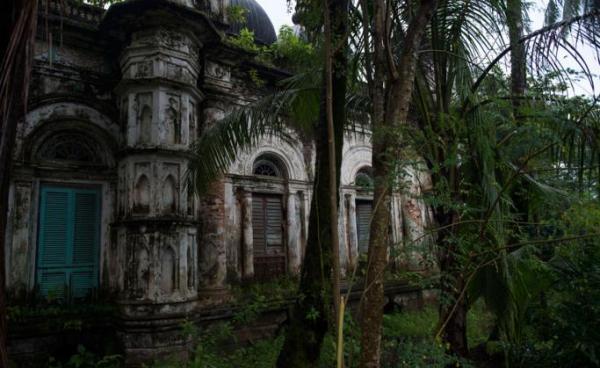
[(67, 262)]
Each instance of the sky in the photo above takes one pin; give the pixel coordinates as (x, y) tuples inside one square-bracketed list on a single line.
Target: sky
[(279, 13)]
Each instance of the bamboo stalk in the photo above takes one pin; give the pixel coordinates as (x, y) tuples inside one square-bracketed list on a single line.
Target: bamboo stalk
[(340, 334)]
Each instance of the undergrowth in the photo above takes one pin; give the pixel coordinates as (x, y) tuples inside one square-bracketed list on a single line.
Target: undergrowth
[(408, 338)]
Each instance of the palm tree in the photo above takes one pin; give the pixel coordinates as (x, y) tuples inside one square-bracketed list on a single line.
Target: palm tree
[(391, 91), (456, 131), (460, 131), (467, 144), (297, 102)]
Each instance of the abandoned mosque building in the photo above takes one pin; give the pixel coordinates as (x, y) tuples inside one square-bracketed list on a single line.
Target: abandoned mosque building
[(99, 202)]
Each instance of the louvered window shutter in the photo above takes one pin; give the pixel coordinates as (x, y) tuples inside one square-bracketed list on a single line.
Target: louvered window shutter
[(274, 215), (364, 210), (258, 224), (68, 241), (267, 227), (85, 243), (53, 244)]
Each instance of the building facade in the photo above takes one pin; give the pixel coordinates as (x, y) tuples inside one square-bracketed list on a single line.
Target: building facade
[(98, 197)]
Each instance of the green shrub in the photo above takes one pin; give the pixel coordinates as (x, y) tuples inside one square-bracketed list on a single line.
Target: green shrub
[(86, 359), (563, 324)]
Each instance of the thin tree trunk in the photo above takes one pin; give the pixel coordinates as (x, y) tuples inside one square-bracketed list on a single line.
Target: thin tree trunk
[(311, 314), (518, 68), (518, 85), (390, 114), (333, 188), (18, 23), (453, 305)]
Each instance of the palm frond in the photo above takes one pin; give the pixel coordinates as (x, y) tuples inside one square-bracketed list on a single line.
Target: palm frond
[(294, 106)]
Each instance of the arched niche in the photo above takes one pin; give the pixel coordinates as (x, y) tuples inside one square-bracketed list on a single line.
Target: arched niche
[(169, 196), (191, 200), (146, 125), (168, 269), (142, 271), (190, 267), (141, 195)]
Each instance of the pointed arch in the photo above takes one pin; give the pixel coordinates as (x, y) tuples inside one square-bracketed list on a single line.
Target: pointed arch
[(169, 196), (190, 267), (168, 269), (146, 125), (142, 272), (141, 196)]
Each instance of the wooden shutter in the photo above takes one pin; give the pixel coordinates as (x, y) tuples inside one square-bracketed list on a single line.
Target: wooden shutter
[(53, 242), (268, 235), (85, 231), (258, 224), (68, 241), (85, 243), (364, 211), (274, 216)]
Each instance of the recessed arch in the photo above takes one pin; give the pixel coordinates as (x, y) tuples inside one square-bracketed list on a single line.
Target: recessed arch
[(146, 125), (69, 143), (168, 270), (169, 196), (71, 146), (354, 158), (58, 113), (290, 155), (141, 196)]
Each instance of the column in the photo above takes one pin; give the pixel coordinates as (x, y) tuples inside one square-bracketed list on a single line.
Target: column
[(352, 232), (248, 236), (294, 232)]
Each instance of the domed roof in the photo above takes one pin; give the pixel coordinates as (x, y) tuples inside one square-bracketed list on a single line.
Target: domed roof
[(257, 21)]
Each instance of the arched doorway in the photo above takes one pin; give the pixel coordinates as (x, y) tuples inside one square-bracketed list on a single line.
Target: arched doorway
[(268, 219), (69, 221)]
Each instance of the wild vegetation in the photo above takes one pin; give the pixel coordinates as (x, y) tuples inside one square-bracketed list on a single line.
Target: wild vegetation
[(464, 93), (494, 128)]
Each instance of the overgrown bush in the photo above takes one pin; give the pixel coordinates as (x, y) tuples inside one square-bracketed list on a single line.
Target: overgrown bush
[(86, 359), (563, 324)]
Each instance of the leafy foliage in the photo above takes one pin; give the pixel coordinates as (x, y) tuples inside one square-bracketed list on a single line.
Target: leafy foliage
[(86, 359), (562, 326), (289, 52)]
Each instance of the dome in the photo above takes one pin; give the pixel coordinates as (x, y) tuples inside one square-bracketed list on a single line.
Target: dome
[(257, 21)]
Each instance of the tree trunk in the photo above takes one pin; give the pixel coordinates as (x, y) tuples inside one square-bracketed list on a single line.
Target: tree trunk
[(18, 24), (518, 68), (518, 85), (453, 305), (311, 314), (333, 192), (390, 113)]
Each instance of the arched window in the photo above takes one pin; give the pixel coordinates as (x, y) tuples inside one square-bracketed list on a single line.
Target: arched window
[(268, 221), (72, 147), (268, 165), (364, 207), (364, 178)]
